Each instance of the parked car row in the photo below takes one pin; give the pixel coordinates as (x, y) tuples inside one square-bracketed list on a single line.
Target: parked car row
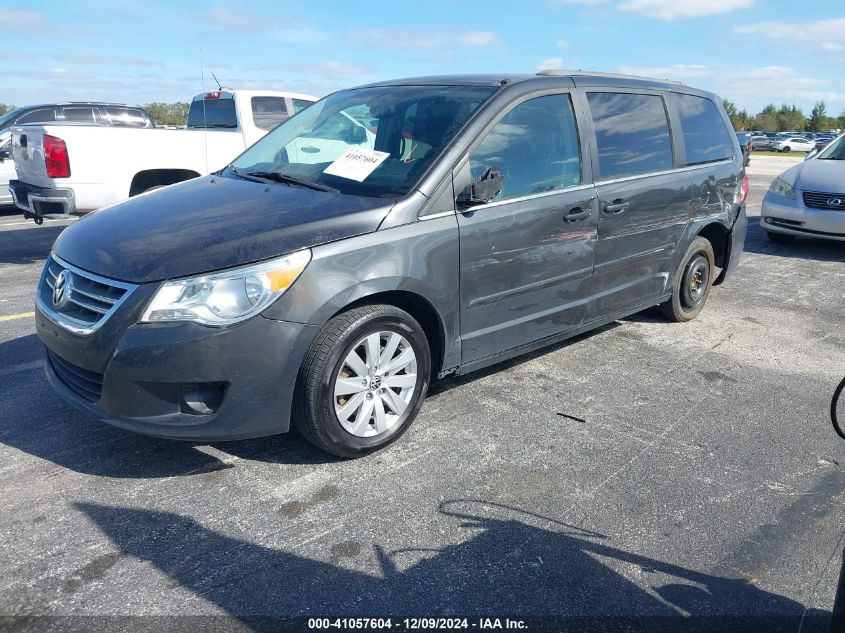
[(790, 141), (60, 151)]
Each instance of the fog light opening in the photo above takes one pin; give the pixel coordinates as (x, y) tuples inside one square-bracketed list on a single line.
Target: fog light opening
[(767, 220), (202, 399)]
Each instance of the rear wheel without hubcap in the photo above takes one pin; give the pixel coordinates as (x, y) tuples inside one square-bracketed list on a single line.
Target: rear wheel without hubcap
[(692, 283)]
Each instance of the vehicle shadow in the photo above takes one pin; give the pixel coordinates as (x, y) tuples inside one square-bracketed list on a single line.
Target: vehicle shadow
[(35, 420), (505, 562), (450, 382), (28, 245), (801, 248)]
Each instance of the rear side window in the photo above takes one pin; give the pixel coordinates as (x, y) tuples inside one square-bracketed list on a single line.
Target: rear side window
[(82, 114), (213, 113), (42, 115), (632, 134), (126, 117), (705, 136), (534, 147), (268, 112), (299, 105)]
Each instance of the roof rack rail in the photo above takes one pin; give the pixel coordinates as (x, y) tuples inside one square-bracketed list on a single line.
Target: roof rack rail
[(560, 72)]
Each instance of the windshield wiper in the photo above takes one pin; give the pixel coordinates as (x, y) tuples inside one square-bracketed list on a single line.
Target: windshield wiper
[(288, 180)]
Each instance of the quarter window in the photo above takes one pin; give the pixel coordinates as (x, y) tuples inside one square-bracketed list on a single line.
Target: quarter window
[(534, 147), (268, 112), (705, 136), (126, 117), (632, 134)]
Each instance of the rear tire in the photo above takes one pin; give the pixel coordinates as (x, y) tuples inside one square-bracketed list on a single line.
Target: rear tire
[(693, 282), (363, 381), (779, 238)]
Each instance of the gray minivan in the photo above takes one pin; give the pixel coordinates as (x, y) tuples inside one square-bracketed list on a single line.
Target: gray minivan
[(387, 236)]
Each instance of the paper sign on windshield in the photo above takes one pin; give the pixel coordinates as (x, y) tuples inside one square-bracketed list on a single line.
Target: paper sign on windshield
[(356, 164)]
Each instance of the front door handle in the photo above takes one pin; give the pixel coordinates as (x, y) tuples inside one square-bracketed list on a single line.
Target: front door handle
[(577, 214), (616, 207)]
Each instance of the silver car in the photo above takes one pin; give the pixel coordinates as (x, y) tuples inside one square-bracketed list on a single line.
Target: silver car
[(809, 198)]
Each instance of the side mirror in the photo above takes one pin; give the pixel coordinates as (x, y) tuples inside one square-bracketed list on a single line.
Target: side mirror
[(483, 190), (811, 154)]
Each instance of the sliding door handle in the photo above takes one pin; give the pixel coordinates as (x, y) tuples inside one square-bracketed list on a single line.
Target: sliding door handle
[(616, 207)]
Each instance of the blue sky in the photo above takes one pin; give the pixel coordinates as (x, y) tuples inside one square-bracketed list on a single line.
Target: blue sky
[(750, 51)]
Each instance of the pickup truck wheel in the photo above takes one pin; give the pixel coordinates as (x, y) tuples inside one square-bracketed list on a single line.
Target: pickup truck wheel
[(692, 283), (363, 381)]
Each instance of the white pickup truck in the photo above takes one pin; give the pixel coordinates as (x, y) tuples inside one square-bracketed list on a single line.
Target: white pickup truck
[(79, 168)]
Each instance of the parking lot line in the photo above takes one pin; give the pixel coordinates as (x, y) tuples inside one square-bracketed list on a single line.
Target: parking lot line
[(20, 315)]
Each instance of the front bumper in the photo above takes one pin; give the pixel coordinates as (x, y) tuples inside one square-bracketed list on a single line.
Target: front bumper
[(243, 376), (792, 217), (40, 202)]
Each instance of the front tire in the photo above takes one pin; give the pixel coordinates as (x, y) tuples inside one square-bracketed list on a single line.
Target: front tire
[(693, 282), (787, 149), (363, 381)]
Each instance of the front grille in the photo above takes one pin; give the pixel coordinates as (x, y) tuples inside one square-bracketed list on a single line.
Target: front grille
[(86, 384), (87, 301), (830, 201)]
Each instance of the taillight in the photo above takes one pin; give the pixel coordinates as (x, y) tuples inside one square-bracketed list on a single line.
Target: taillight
[(55, 157), (211, 95), (743, 191)]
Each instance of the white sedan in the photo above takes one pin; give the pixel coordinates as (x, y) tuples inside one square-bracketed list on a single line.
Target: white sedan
[(7, 170), (795, 143)]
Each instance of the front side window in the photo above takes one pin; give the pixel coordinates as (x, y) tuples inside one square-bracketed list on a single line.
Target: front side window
[(366, 141), (126, 117), (268, 112), (300, 104), (705, 135), (534, 148), (632, 134)]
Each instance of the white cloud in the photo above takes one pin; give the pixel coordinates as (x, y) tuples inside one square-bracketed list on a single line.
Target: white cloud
[(552, 63), (753, 87), (562, 43), (288, 30), (828, 34), (36, 23), (421, 39), (672, 9)]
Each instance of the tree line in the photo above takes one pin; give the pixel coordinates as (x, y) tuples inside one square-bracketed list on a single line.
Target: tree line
[(785, 119), (772, 118)]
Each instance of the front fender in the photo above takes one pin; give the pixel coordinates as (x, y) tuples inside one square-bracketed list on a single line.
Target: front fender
[(420, 258)]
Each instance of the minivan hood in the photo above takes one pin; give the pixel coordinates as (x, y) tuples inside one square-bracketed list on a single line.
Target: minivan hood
[(821, 175), (211, 223)]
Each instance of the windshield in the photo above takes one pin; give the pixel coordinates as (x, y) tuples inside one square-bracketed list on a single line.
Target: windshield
[(367, 141), (834, 151)]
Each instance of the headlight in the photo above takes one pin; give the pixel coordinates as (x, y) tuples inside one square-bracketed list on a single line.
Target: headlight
[(226, 297), (781, 188)]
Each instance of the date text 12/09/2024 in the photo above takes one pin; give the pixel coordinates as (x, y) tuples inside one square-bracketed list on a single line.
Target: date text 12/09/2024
[(413, 624)]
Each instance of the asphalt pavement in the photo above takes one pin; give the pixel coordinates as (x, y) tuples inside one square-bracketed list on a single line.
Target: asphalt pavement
[(647, 469)]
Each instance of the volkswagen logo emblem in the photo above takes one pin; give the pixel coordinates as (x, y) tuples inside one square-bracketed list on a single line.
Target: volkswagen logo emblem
[(61, 289), (834, 202)]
